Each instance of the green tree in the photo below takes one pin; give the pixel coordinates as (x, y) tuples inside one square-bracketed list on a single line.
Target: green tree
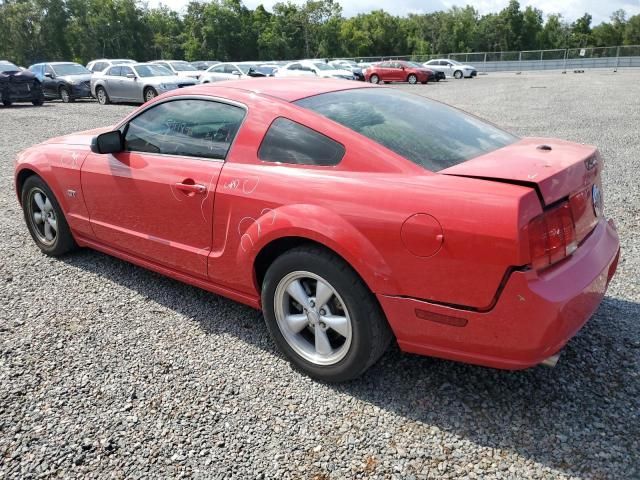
[(632, 31)]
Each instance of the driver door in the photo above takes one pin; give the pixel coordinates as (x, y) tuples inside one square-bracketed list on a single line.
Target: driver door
[(154, 199)]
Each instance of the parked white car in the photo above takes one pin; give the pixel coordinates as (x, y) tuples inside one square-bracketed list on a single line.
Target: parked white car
[(305, 68), (100, 65), (180, 68), (230, 71), (451, 68)]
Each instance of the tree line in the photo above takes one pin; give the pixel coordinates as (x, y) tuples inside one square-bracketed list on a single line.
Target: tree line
[(81, 30)]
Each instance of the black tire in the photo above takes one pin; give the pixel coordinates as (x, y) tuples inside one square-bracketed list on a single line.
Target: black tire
[(63, 241), (102, 96), (149, 94), (374, 79), (412, 79), (370, 332), (457, 74), (65, 95), (38, 102), (7, 103)]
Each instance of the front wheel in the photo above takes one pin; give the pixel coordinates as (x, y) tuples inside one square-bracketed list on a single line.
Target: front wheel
[(412, 79), (65, 95), (102, 96), (322, 316), (457, 74), (38, 102), (45, 219), (374, 79), (150, 94)]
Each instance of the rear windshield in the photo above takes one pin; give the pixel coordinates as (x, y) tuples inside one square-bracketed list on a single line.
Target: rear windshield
[(183, 66), (426, 132)]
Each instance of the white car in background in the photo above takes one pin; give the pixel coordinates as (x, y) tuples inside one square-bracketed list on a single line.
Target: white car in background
[(306, 68), (451, 68), (100, 65), (230, 71), (180, 68)]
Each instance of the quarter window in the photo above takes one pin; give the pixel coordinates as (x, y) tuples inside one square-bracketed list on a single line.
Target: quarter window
[(290, 142), (192, 128)]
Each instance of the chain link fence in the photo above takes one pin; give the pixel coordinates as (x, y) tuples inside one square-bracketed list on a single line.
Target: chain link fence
[(558, 59)]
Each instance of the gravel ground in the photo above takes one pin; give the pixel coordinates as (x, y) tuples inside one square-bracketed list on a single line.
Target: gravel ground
[(108, 370)]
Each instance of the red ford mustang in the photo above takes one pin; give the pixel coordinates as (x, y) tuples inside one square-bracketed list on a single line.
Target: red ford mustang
[(351, 214)]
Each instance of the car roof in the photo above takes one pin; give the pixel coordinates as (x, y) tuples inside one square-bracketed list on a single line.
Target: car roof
[(288, 89), (61, 63)]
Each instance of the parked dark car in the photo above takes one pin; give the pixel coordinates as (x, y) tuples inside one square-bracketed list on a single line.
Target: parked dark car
[(18, 85), (67, 81)]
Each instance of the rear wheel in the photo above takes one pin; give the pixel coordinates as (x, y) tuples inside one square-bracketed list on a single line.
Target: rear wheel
[(38, 102), (322, 316), (102, 96), (457, 74), (149, 94), (374, 78), (412, 79), (45, 219), (7, 103)]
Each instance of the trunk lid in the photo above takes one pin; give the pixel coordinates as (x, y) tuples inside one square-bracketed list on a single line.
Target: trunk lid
[(555, 168)]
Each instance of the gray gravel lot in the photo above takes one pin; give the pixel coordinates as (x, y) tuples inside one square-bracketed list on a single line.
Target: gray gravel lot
[(108, 370)]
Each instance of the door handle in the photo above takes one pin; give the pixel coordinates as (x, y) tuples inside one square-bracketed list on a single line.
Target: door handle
[(191, 187)]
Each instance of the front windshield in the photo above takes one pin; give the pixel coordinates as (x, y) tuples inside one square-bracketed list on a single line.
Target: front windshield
[(245, 67), (153, 71), (8, 67), (454, 62), (183, 66), (323, 66), (416, 64), (430, 134), (70, 69)]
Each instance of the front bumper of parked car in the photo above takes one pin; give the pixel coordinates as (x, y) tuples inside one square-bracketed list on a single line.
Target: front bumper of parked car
[(534, 317), (81, 89)]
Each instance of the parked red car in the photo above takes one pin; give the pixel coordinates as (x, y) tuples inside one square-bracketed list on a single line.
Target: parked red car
[(398, 71), (352, 215)]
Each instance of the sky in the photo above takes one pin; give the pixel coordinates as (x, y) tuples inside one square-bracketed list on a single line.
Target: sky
[(600, 10)]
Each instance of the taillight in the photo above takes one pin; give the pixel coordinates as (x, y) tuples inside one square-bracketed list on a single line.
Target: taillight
[(552, 236)]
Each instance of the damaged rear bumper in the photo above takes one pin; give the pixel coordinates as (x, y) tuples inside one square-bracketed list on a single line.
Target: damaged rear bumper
[(534, 318)]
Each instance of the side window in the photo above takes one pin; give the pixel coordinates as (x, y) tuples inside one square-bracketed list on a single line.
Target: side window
[(219, 69), (384, 65), (290, 142), (114, 71), (230, 68), (295, 66), (48, 69), (100, 66), (192, 128), (125, 71)]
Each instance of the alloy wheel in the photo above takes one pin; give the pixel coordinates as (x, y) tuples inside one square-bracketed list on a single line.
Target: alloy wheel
[(312, 318), (43, 217)]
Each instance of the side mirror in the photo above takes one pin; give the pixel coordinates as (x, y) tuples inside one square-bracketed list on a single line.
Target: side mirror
[(48, 75), (131, 75), (108, 142)]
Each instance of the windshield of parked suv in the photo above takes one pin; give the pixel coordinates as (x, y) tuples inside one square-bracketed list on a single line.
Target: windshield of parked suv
[(8, 67), (183, 66), (153, 71), (424, 131), (69, 69)]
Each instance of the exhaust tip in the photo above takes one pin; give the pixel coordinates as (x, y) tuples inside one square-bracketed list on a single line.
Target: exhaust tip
[(551, 361)]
